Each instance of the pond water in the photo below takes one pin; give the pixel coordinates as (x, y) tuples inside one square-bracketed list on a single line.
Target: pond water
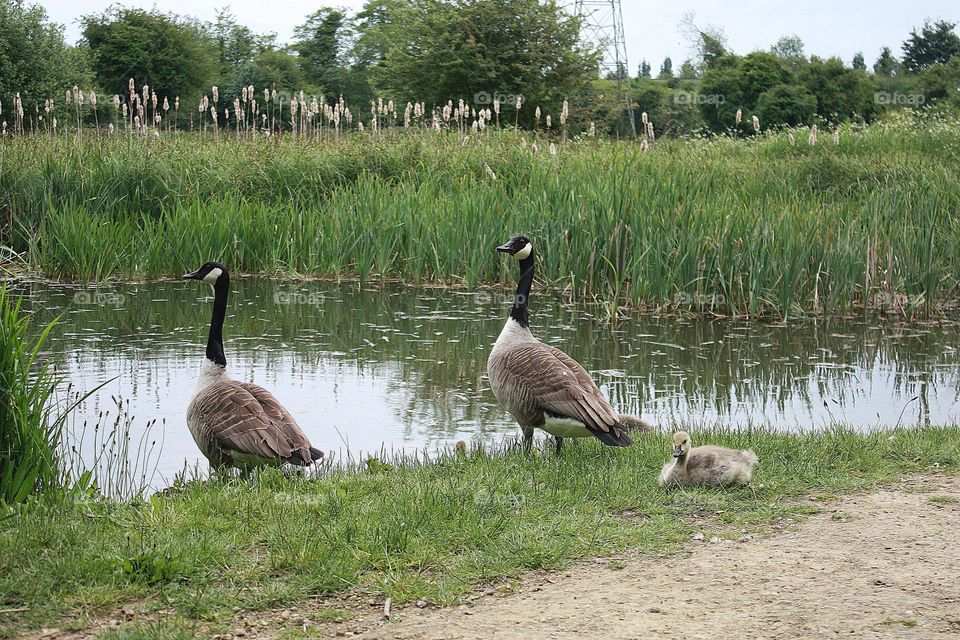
[(404, 369)]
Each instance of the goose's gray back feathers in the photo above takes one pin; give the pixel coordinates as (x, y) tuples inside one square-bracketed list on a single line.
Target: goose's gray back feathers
[(244, 425), (539, 384)]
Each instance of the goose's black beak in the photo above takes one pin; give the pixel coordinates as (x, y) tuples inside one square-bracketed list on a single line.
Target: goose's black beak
[(505, 248), (677, 451), (193, 276)]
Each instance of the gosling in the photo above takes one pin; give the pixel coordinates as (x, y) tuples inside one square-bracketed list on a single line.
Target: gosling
[(707, 465)]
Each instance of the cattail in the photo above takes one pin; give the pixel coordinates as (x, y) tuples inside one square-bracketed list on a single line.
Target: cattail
[(93, 99), (836, 135), (131, 85), (125, 111), (644, 145), (490, 172), (650, 132), (519, 102), (548, 121), (266, 94), (756, 124), (361, 126), (243, 94), (213, 114), (250, 92), (136, 122), (739, 116), (644, 118), (153, 99), (215, 90), (146, 94), (176, 103), (792, 139), (110, 128), (78, 96), (67, 97), (553, 149), (54, 124), (116, 102), (3, 127), (496, 106), (536, 113), (593, 129), (812, 139), (534, 148), (157, 119), (166, 104)]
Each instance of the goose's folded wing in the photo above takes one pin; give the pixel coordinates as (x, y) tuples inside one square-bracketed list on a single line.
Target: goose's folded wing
[(239, 421), (280, 417), (560, 386)]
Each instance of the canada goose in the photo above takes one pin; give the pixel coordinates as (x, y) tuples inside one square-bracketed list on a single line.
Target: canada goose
[(541, 386), (238, 423), (706, 465)]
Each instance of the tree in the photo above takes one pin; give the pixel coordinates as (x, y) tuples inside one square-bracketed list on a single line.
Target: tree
[(886, 65), (666, 69), (644, 71), (34, 59), (935, 44), (322, 42), (737, 83), (439, 50), (859, 62), (788, 104), (171, 54), (841, 92), (688, 71), (790, 50), (236, 44), (708, 44), (620, 73)]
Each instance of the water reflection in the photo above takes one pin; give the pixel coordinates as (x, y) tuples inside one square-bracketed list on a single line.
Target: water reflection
[(404, 368)]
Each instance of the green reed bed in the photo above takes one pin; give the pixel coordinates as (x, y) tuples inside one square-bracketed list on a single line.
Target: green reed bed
[(411, 531), (30, 430), (746, 227)]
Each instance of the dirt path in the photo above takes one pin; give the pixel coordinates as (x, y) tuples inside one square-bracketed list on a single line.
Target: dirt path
[(883, 564)]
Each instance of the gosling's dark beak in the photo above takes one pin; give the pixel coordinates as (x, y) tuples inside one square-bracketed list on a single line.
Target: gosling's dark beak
[(505, 248), (193, 276), (677, 451)]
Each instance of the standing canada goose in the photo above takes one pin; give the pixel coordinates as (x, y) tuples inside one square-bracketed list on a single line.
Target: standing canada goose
[(237, 423), (541, 386), (706, 465)]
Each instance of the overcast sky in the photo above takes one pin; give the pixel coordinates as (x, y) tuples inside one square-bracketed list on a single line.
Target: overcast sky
[(828, 27)]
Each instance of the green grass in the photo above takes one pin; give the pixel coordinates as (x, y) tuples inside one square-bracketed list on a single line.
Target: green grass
[(426, 531), (747, 227), (29, 427)]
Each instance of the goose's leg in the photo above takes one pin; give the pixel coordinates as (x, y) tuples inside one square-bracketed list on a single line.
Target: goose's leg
[(559, 444), (527, 439)]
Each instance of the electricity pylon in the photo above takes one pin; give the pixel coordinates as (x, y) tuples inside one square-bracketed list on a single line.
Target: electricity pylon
[(602, 25)]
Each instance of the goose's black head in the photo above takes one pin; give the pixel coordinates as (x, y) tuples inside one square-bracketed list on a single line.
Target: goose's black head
[(519, 247), (213, 273)]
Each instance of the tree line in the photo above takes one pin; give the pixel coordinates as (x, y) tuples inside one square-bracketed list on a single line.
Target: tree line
[(483, 51)]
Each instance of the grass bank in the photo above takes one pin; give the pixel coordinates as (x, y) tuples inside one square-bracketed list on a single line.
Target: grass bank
[(765, 226), (427, 531)]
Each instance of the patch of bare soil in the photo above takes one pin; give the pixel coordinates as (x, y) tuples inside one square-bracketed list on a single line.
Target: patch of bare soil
[(883, 564)]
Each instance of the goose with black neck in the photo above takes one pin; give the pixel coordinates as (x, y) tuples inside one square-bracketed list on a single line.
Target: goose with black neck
[(239, 424), (541, 386)]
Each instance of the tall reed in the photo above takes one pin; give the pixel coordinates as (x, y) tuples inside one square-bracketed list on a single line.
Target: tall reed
[(29, 428)]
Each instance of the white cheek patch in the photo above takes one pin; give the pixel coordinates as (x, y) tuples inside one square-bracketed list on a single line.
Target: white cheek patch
[(213, 276), (524, 253)]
